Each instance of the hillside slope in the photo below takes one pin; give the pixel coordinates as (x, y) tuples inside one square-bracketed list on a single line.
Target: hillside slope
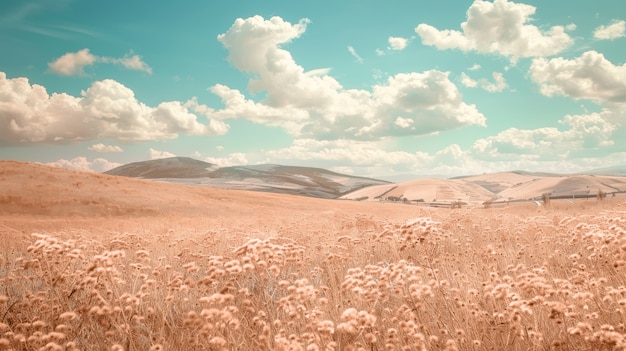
[(304, 181)]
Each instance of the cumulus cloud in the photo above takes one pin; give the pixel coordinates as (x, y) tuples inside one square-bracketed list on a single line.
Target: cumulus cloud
[(564, 149), (590, 76), (132, 62), (107, 109), (403, 122), (74, 63), (611, 32), (500, 27), (397, 43), (236, 105), (315, 105), (234, 159), (157, 154), (498, 84), (83, 164), (583, 132), (468, 81), (430, 100), (348, 152), (105, 148), (375, 158)]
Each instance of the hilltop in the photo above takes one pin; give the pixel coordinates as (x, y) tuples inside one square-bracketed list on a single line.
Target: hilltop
[(494, 188), (305, 181), (501, 187)]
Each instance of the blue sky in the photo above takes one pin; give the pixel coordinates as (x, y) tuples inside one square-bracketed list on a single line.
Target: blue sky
[(359, 87)]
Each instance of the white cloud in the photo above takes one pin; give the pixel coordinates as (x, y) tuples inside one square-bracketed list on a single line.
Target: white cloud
[(498, 27), (403, 122), (347, 152), (316, 105), (498, 84), (367, 158), (73, 63), (157, 154), (133, 62), (355, 54), (583, 132), (397, 43), (107, 109), (234, 159), (429, 99), (254, 46), (570, 27), (236, 105), (475, 67), (611, 32), (83, 164), (590, 76), (549, 149), (105, 148), (468, 81)]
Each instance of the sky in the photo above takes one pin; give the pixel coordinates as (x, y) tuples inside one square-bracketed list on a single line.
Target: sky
[(379, 89)]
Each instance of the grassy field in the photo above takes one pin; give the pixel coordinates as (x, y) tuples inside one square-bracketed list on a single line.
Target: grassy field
[(515, 278)]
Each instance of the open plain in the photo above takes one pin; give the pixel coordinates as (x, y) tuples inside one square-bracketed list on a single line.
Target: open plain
[(98, 262)]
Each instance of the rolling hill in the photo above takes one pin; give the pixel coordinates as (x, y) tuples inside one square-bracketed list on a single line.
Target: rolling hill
[(305, 181), (496, 187), (321, 183)]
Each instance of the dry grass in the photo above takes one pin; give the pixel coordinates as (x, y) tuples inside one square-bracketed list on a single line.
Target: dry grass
[(517, 278)]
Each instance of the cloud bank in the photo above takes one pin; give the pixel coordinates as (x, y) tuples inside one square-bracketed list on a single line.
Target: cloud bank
[(105, 148), (313, 104), (83, 164), (107, 109)]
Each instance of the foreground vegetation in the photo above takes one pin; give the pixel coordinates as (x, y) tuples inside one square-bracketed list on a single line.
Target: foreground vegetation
[(482, 279)]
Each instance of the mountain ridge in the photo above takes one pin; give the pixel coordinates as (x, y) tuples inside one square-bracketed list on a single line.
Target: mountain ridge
[(295, 180), (516, 185)]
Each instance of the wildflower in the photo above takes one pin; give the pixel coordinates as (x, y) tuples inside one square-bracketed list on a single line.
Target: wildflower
[(68, 316)]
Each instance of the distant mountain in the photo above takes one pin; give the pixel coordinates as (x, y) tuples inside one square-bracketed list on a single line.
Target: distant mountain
[(609, 171), (500, 187), (430, 191), (322, 183), (305, 181), (174, 167)]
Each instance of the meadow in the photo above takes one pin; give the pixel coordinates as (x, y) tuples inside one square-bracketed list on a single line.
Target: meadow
[(513, 278)]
